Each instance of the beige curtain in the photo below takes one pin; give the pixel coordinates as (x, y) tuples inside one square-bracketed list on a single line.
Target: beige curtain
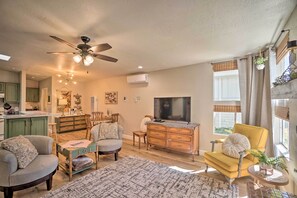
[(255, 96)]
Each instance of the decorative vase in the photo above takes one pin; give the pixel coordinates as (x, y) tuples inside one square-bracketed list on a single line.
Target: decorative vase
[(267, 169), (260, 67)]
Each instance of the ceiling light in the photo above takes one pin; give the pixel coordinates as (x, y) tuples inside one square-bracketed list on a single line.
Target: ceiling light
[(86, 63), (67, 79), (140, 67), (77, 58), (4, 57)]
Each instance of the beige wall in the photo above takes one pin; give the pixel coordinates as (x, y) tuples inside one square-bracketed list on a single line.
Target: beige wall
[(78, 88), (195, 81)]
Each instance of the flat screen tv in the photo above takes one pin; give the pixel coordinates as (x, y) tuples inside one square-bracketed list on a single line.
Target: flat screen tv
[(173, 108)]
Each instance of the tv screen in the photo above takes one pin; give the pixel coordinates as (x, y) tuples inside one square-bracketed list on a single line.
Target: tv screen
[(173, 108)]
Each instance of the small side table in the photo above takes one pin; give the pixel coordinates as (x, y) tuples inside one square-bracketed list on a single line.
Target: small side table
[(278, 178), (74, 152)]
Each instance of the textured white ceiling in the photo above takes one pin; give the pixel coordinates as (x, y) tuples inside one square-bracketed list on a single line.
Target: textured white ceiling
[(157, 34)]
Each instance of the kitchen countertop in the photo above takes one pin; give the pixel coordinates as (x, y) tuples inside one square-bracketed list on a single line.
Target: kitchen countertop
[(27, 114)]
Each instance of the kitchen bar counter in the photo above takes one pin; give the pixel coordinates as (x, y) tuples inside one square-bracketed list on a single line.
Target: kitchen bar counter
[(27, 114), (26, 123)]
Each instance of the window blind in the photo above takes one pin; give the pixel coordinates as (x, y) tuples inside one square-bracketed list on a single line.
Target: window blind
[(224, 66), (281, 49), (282, 112), (227, 108)]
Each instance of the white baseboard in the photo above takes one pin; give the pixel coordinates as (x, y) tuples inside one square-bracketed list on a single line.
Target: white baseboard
[(128, 137)]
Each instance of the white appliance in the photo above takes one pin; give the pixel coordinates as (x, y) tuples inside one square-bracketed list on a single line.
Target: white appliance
[(139, 78), (2, 95), (94, 104), (1, 129)]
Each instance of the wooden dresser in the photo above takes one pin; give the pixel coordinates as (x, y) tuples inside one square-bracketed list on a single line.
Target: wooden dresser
[(181, 137), (70, 123)]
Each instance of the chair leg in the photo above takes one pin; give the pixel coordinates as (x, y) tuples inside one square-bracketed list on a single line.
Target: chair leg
[(138, 142), (206, 169), (144, 139), (230, 180), (8, 193), (116, 156), (133, 139), (49, 183)]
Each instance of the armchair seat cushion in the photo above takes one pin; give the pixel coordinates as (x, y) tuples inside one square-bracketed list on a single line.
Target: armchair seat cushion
[(41, 166), (225, 162), (109, 145)]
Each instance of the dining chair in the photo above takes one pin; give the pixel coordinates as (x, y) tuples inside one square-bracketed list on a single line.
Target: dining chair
[(97, 116), (115, 117), (88, 125)]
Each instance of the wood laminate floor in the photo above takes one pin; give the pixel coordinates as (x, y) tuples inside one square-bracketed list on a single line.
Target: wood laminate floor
[(178, 160)]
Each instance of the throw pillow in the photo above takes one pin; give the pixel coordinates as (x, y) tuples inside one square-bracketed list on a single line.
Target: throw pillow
[(108, 131), (22, 148), (235, 143)]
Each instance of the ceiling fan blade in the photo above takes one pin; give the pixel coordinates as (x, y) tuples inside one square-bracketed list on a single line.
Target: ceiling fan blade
[(65, 42), (100, 47), (61, 52), (106, 58)]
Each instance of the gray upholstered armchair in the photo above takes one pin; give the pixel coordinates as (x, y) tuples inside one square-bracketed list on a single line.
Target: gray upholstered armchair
[(41, 169), (108, 142)]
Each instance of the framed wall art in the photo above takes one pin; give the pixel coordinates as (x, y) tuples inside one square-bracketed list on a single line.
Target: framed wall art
[(111, 97)]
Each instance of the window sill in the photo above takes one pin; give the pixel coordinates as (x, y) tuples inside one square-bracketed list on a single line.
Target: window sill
[(280, 150)]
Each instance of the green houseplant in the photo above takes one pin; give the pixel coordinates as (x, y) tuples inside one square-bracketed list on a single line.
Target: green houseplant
[(260, 62), (269, 162)]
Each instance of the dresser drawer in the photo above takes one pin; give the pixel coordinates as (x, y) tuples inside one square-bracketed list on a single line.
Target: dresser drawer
[(79, 118), (157, 142), (81, 126), (157, 134), (67, 128), (180, 130), (66, 124), (179, 146), (80, 122), (65, 119), (179, 137), (156, 127)]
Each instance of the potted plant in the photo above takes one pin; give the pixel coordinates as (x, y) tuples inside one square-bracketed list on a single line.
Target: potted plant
[(260, 62), (268, 163)]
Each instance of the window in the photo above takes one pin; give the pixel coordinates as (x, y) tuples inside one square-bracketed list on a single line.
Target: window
[(281, 121), (280, 107), (226, 97)]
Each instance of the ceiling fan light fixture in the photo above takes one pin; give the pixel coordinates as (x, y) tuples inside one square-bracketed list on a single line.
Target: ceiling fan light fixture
[(77, 58), (89, 58), (86, 63)]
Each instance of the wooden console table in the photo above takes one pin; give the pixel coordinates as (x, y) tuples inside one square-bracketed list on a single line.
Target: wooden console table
[(70, 123), (181, 137)]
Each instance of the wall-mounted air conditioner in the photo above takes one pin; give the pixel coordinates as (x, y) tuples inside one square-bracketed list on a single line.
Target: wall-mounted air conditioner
[(139, 78)]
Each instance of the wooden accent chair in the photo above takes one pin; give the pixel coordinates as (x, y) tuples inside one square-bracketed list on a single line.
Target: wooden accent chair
[(231, 167), (97, 116), (89, 126), (142, 132), (115, 117)]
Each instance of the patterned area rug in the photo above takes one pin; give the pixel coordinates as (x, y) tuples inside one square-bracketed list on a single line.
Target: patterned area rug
[(134, 177)]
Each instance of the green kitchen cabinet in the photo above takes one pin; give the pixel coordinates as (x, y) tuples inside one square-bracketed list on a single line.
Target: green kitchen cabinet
[(15, 127), (39, 126), (32, 94), (12, 92), (2, 87), (25, 126)]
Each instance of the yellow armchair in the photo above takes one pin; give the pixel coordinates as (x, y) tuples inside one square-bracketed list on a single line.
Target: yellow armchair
[(231, 167)]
